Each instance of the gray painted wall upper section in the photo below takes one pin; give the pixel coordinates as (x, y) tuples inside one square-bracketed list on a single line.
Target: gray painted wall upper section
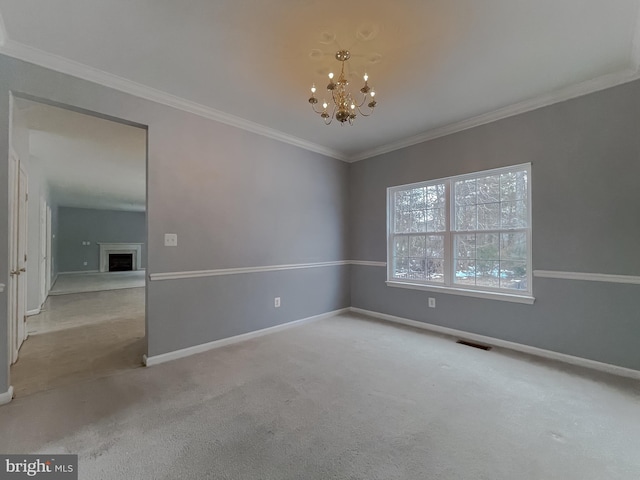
[(77, 225), (585, 156), (234, 199)]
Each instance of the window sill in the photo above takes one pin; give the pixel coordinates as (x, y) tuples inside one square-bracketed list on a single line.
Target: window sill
[(505, 297)]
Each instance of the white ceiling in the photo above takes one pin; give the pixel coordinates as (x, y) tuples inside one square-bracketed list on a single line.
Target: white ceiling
[(89, 162), (434, 63)]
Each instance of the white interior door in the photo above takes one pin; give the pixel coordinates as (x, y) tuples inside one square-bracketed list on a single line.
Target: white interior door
[(14, 272), (17, 288), (42, 271)]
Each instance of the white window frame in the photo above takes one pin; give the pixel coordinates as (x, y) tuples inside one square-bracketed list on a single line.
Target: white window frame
[(449, 286)]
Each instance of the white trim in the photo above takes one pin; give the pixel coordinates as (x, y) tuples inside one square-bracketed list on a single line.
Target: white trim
[(368, 263), (75, 272), (567, 93), (31, 313), (505, 297), (24, 52), (187, 352), (590, 277), (1, 287), (7, 396), (518, 347), (236, 271)]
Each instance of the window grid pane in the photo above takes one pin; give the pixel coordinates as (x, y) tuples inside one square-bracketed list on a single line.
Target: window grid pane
[(489, 226)]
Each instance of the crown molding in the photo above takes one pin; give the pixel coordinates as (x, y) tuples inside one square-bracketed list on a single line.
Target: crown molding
[(561, 95), (60, 64)]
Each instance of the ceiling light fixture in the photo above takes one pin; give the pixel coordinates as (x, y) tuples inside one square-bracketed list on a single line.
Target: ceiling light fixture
[(344, 108)]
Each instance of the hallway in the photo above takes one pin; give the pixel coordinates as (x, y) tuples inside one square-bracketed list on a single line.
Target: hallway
[(79, 337)]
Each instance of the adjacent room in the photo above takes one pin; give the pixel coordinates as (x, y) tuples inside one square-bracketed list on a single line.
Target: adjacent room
[(85, 246), (320, 239)]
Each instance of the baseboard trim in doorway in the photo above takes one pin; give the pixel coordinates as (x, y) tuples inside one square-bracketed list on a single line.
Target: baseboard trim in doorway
[(78, 272), (496, 342), (31, 313), (7, 396), (187, 352)]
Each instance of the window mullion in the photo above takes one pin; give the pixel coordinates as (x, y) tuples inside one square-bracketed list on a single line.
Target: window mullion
[(448, 238)]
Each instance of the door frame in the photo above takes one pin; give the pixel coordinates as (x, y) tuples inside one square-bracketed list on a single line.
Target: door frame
[(42, 252), (48, 264)]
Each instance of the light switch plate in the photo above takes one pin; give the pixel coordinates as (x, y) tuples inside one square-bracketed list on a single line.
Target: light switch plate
[(170, 239)]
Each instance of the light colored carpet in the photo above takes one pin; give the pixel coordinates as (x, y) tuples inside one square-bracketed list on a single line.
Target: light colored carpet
[(79, 337), (78, 309), (341, 398), (67, 283)]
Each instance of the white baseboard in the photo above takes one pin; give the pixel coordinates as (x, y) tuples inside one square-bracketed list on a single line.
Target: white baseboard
[(496, 342), (187, 352), (30, 313), (7, 396), (76, 272)]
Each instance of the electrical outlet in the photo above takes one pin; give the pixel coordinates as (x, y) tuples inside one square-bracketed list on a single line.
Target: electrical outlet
[(170, 239), (432, 302), (276, 302)]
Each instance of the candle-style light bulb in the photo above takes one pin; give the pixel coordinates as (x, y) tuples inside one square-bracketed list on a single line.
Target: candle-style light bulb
[(366, 77), (373, 94), (324, 104), (353, 107), (313, 88), (331, 75)]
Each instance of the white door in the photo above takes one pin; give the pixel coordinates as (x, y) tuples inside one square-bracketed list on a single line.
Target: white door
[(17, 290), (14, 272), (42, 271)]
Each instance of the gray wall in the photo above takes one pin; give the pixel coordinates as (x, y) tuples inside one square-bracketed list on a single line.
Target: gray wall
[(234, 199), (77, 225), (585, 156)]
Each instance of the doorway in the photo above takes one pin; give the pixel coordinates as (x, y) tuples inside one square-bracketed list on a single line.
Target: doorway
[(78, 181)]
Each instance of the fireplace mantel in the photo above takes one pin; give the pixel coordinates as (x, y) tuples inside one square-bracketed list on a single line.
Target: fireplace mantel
[(107, 248)]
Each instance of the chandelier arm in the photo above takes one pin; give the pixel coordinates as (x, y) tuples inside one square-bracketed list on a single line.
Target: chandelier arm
[(314, 109), (364, 114)]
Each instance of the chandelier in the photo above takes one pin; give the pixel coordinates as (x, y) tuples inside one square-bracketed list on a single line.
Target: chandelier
[(345, 108)]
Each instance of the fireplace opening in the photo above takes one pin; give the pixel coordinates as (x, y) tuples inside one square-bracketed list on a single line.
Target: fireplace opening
[(120, 262)]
